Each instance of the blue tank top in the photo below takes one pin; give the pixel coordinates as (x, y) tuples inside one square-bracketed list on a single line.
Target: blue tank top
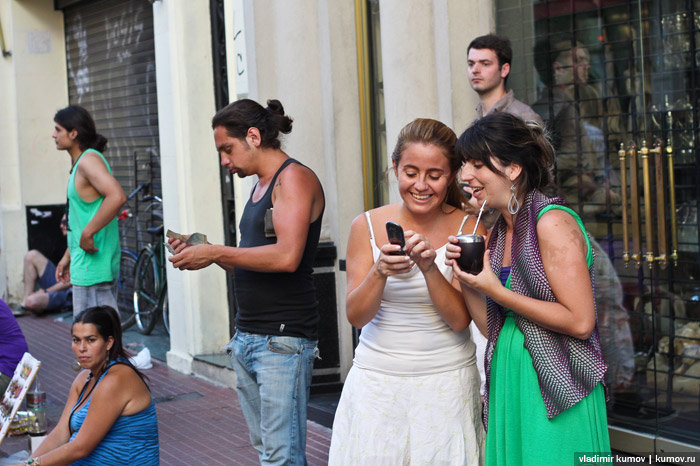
[(276, 303), (131, 440)]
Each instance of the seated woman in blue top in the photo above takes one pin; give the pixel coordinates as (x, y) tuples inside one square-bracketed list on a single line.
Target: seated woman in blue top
[(110, 417)]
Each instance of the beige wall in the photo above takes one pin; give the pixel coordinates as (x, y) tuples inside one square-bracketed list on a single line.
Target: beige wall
[(303, 52), (33, 85), (424, 62), (190, 174)]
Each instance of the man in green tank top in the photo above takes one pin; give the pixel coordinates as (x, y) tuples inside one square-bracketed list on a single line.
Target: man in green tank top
[(91, 262)]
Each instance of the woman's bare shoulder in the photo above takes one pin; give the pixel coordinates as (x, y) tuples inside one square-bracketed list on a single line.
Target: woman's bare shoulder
[(121, 375), (80, 380)]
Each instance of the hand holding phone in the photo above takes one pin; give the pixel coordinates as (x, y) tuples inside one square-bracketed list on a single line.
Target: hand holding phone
[(395, 234)]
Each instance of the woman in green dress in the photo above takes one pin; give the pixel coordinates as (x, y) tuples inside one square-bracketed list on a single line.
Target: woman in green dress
[(545, 399)]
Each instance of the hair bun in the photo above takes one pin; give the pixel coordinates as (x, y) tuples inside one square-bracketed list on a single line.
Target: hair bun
[(275, 106), (281, 121)]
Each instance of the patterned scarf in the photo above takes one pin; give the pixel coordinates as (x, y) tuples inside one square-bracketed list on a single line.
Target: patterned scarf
[(568, 368)]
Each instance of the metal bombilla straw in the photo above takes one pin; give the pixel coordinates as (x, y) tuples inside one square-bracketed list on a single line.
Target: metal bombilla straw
[(481, 211)]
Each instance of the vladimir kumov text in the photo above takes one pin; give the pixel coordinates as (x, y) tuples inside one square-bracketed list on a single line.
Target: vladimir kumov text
[(638, 458)]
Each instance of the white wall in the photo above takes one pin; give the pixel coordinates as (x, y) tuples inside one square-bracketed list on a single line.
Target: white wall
[(190, 174), (33, 85), (424, 63), (303, 52)]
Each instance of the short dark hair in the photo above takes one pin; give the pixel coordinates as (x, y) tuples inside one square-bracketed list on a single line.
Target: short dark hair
[(75, 117), (239, 116), (499, 44), (509, 139)]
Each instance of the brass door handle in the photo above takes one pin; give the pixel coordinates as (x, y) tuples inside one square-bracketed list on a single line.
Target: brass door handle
[(672, 203), (634, 201), (646, 154), (660, 204), (646, 180), (625, 217)]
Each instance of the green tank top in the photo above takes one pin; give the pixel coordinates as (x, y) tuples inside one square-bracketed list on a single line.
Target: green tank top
[(102, 266)]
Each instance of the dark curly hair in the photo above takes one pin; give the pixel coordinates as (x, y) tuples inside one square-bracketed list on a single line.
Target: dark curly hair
[(239, 116)]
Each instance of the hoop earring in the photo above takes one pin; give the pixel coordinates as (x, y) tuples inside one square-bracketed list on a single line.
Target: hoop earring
[(513, 204), (76, 366)]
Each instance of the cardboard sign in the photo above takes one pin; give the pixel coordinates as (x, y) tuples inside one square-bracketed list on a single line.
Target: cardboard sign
[(12, 399)]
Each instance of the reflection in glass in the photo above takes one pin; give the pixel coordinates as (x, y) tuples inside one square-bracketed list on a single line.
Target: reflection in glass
[(620, 72)]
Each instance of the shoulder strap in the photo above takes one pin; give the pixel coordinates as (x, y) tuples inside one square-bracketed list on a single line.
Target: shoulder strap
[(282, 167), (82, 399), (100, 154), (461, 225), (371, 230)]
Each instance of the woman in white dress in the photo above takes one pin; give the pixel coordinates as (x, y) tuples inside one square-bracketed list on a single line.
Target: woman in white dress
[(412, 395)]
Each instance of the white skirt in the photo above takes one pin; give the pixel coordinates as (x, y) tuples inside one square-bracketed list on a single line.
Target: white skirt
[(399, 420)]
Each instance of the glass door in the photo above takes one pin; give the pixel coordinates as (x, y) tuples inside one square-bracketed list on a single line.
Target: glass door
[(617, 84)]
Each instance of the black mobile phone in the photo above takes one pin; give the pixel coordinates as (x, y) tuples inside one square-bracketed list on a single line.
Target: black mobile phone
[(395, 234)]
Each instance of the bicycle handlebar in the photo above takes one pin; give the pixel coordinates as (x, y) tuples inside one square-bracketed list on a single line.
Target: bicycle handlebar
[(138, 189)]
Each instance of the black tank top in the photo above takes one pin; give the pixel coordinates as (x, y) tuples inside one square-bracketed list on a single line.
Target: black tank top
[(276, 303)]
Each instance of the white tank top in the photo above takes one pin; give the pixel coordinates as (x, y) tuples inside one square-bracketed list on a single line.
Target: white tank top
[(407, 336)]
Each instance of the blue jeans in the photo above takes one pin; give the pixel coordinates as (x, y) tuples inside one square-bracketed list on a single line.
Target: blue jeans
[(273, 376)]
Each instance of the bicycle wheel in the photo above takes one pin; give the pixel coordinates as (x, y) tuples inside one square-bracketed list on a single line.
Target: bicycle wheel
[(163, 304), (125, 289), (146, 291)]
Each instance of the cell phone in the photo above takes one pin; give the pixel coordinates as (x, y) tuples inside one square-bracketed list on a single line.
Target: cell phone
[(395, 234)]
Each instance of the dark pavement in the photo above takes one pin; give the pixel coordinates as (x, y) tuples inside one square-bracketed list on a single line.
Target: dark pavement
[(200, 423)]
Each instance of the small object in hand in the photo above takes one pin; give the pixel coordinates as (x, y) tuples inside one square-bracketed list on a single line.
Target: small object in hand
[(194, 238), (471, 259), (197, 238), (395, 234)]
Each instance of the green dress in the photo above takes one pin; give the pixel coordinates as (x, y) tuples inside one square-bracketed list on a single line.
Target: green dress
[(519, 431)]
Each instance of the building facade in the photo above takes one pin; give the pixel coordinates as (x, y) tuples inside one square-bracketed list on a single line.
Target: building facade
[(610, 78)]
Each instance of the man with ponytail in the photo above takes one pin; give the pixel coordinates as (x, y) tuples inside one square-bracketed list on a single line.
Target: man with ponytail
[(91, 262), (274, 346)]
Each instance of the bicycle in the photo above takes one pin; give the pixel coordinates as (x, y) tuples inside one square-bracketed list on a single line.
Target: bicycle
[(125, 288), (150, 295), (131, 232)]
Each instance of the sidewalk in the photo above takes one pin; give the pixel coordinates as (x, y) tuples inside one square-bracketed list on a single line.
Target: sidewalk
[(199, 422)]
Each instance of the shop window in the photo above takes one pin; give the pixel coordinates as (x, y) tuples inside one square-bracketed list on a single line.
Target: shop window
[(617, 84)]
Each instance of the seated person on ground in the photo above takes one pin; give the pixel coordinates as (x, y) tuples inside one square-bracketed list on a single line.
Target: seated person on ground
[(51, 296), (110, 416)]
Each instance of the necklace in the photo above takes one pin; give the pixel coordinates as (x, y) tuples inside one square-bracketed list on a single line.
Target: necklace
[(72, 166)]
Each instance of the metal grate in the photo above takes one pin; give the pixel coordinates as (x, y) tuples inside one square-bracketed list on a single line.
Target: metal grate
[(111, 72)]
